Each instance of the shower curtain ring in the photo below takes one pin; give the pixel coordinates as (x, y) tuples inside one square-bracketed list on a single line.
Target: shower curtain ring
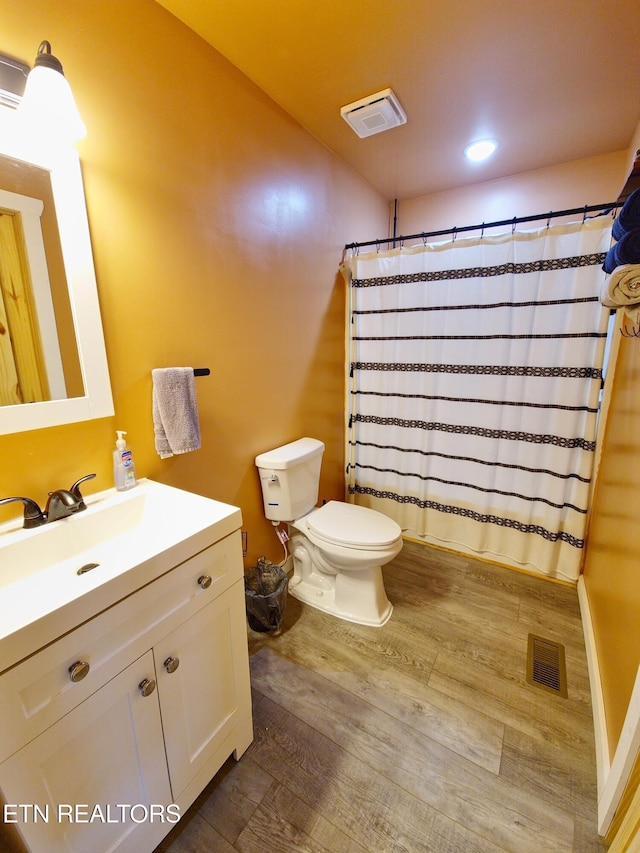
[(584, 215), (513, 225), (424, 238), (482, 232), (454, 233), (549, 217)]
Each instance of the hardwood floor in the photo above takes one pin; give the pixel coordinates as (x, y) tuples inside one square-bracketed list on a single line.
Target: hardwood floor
[(422, 735)]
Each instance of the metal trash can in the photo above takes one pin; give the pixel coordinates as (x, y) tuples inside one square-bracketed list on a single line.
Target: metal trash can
[(265, 592)]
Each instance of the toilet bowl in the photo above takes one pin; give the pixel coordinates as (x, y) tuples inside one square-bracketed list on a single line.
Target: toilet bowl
[(338, 553), (338, 549)]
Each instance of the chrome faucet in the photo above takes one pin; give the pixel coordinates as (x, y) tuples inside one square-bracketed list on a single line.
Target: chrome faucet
[(60, 504), (75, 490), (33, 515), (65, 502)]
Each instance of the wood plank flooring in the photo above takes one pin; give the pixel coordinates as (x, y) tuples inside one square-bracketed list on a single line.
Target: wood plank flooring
[(422, 735)]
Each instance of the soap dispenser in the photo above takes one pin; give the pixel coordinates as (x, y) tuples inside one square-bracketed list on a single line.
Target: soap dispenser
[(124, 472)]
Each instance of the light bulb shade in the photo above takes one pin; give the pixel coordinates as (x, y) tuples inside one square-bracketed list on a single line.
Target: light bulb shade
[(48, 106)]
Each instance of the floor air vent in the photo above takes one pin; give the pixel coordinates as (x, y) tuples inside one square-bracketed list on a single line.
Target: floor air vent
[(546, 666)]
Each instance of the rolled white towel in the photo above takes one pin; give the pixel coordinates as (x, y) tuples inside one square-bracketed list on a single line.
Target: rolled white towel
[(621, 289)]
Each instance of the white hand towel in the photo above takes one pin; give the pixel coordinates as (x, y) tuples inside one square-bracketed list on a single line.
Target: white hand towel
[(175, 411), (621, 289)]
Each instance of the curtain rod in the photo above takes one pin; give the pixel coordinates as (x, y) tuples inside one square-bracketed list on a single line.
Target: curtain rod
[(552, 214)]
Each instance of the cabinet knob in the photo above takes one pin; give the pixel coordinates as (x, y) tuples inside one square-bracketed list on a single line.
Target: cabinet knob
[(78, 670), (147, 686), (204, 581), (171, 664)]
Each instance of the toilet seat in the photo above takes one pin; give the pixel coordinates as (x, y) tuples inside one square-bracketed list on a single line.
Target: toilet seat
[(352, 526)]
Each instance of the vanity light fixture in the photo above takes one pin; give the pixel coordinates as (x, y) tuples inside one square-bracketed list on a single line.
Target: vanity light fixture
[(48, 101), (480, 150)]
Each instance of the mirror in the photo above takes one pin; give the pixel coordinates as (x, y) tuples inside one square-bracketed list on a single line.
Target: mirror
[(58, 249), (38, 350)]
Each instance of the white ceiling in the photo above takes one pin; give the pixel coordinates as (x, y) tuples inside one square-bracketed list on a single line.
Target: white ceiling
[(551, 80)]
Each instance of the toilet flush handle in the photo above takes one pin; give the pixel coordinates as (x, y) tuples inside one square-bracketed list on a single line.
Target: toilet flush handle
[(272, 478)]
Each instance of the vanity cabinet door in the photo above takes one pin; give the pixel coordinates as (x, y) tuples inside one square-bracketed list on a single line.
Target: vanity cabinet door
[(204, 691), (87, 771)]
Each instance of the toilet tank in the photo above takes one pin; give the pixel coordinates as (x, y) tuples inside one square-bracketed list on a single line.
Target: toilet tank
[(290, 478)]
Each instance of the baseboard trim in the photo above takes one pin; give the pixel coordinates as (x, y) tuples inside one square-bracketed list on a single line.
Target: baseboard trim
[(603, 760), (623, 761), (613, 776)]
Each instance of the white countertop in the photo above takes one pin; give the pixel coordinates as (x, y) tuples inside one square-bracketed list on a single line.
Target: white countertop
[(134, 536)]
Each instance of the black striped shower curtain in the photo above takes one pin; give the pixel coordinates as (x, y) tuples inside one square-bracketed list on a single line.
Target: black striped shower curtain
[(475, 369)]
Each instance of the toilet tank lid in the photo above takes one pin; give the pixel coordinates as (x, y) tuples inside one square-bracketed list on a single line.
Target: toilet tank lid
[(290, 454)]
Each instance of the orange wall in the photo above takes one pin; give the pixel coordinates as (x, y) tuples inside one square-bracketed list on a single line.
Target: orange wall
[(592, 180), (611, 570), (217, 226)]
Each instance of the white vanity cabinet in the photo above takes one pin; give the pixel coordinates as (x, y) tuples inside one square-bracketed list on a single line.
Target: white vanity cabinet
[(199, 699), (108, 750), (109, 761)]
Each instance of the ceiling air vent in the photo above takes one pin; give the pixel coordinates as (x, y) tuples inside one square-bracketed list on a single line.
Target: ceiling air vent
[(375, 113)]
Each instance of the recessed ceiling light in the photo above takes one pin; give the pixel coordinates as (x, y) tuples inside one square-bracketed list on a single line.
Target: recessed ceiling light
[(480, 150)]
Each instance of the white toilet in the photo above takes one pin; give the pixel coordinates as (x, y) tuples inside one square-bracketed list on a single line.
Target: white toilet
[(338, 549)]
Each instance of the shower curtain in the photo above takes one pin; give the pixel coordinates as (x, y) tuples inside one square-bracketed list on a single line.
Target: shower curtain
[(474, 380)]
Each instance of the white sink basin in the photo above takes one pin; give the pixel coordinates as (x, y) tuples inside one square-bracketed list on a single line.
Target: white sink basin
[(23, 552), (57, 575)]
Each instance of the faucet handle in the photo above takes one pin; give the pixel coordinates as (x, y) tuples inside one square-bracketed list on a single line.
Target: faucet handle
[(75, 490), (33, 515)]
